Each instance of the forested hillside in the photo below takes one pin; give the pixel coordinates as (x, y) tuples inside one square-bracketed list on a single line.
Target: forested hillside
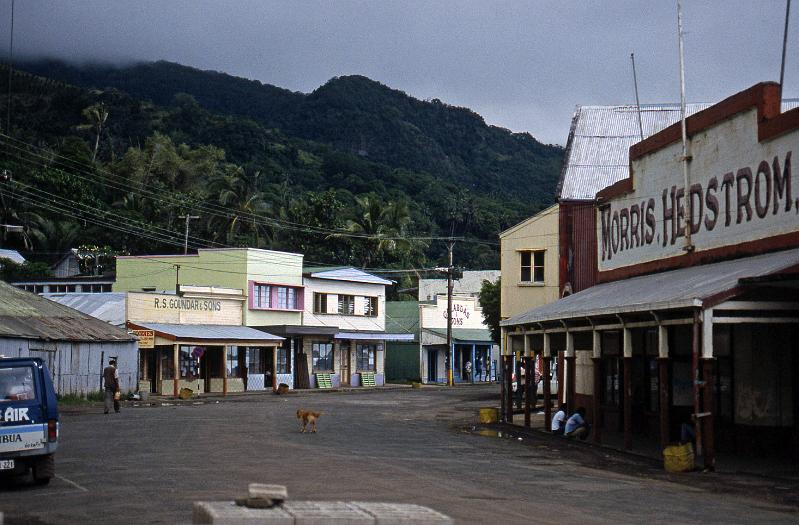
[(353, 173)]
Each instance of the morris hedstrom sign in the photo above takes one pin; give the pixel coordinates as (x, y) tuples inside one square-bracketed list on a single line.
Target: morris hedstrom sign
[(742, 190)]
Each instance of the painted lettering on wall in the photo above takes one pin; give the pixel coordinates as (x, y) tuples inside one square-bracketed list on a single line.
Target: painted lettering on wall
[(459, 313), (749, 194), (198, 305)]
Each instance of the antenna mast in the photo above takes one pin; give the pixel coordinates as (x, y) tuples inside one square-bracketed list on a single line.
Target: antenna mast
[(686, 157), (637, 101), (784, 44)]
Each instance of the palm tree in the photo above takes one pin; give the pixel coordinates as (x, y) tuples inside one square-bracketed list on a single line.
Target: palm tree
[(96, 115), (238, 191), (380, 228)]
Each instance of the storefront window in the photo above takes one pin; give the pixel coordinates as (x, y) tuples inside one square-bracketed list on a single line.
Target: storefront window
[(283, 362), (189, 362), (365, 357), (167, 364), (322, 356), (255, 364), (232, 360)]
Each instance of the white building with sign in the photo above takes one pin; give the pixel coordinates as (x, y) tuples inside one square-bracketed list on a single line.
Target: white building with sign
[(700, 331), (471, 341), (192, 340)]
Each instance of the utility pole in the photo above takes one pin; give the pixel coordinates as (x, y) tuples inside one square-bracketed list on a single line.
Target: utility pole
[(177, 279), (450, 353), (186, 239)]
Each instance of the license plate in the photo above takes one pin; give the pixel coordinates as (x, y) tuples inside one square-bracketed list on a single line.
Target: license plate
[(6, 464)]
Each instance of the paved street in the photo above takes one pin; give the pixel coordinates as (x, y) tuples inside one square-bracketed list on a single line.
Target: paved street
[(147, 465)]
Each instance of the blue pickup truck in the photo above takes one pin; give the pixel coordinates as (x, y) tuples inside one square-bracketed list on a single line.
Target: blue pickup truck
[(28, 419)]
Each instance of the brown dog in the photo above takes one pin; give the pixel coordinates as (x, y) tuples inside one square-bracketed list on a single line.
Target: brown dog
[(306, 417)]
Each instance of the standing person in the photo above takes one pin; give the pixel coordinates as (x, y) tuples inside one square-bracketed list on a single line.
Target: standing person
[(111, 386), (468, 368), (559, 421), (478, 368), (520, 373)]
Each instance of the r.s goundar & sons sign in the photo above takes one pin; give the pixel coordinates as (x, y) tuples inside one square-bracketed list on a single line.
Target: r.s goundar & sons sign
[(741, 191)]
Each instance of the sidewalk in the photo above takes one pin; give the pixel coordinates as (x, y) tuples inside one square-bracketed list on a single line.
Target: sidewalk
[(203, 398), (731, 476)]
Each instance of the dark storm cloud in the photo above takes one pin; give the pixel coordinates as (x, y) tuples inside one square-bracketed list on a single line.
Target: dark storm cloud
[(522, 65)]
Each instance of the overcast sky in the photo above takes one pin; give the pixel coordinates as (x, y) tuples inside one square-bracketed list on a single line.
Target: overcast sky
[(523, 65)]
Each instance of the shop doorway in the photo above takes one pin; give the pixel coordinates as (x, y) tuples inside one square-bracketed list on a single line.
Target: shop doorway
[(211, 363), (432, 366)]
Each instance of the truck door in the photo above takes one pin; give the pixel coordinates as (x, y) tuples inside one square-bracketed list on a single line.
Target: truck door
[(23, 423)]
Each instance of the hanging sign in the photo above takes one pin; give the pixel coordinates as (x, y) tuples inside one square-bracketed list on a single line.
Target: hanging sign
[(146, 338)]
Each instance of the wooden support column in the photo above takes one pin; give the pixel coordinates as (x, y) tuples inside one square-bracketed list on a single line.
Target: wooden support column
[(529, 379), (708, 364), (596, 366), (176, 369), (628, 390), (274, 368), (571, 371), (708, 430), (507, 372), (546, 357), (663, 385), (224, 369), (474, 363)]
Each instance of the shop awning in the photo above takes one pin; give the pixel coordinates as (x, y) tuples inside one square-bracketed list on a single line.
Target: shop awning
[(697, 286), (373, 336), (207, 332), (289, 330), (464, 335)]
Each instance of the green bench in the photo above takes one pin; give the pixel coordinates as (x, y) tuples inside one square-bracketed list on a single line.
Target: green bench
[(367, 379), (323, 380)]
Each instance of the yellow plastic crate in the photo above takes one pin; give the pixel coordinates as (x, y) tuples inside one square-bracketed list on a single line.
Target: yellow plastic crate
[(678, 458), (489, 415)]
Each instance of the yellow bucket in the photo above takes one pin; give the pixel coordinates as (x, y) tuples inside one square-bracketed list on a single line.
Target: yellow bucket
[(678, 458), (489, 415)]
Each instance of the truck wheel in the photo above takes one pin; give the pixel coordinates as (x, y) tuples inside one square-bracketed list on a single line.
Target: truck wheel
[(44, 470)]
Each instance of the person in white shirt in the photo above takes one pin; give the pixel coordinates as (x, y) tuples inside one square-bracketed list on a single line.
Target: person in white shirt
[(559, 421)]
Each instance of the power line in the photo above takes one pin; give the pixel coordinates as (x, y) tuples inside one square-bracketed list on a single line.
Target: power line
[(210, 208)]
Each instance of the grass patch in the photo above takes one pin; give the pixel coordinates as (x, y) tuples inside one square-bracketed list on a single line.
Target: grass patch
[(80, 399)]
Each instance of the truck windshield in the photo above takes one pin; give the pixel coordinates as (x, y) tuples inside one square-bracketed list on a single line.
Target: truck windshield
[(16, 384)]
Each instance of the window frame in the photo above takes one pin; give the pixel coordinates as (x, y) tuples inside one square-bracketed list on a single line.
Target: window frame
[(316, 356), (370, 357), (291, 296), (532, 268)]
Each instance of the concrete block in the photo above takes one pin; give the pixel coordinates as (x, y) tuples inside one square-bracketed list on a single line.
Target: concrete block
[(324, 512), (228, 513), (402, 513), (266, 491)]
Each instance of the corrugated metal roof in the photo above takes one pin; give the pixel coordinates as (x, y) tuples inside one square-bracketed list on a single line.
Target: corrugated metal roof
[(681, 288), (374, 336), (108, 307), (26, 315), (402, 317), (207, 331), (13, 255), (346, 274), (470, 283), (464, 335), (599, 143)]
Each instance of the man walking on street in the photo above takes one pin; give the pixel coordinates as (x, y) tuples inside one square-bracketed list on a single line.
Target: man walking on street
[(111, 386)]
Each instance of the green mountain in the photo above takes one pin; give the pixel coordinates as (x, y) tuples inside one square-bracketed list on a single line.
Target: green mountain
[(353, 114), (266, 166)]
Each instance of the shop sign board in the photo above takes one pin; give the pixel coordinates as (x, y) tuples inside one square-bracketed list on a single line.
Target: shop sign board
[(741, 190), (174, 309), (465, 313), (146, 338)]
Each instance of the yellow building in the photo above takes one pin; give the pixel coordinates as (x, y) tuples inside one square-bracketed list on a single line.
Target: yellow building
[(529, 263)]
